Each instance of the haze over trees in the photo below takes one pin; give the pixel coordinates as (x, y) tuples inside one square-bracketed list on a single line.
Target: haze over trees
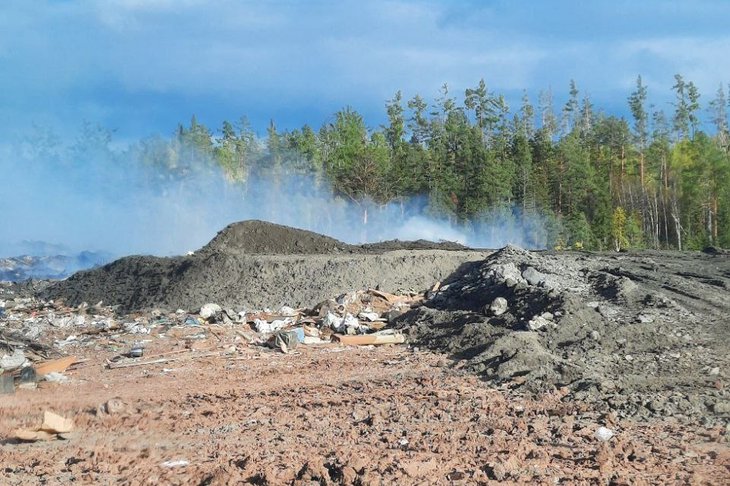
[(658, 180)]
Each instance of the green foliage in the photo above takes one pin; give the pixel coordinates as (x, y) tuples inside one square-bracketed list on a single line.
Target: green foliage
[(590, 181)]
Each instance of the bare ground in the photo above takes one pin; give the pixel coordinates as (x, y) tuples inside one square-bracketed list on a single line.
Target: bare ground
[(334, 415), (634, 342)]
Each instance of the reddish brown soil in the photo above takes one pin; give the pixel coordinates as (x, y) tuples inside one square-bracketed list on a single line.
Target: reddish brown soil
[(331, 415)]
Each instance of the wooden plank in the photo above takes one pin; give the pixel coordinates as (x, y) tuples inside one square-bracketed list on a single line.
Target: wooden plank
[(55, 366), (367, 339)]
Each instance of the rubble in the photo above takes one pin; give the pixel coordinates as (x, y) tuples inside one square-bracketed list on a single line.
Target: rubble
[(547, 334)]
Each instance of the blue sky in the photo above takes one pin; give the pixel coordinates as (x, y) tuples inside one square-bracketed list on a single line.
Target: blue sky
[(140, 66)]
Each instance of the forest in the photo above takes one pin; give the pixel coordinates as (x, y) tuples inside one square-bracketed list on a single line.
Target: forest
[(657, 180)]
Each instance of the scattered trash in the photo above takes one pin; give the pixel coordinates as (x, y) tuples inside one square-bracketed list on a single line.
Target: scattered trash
[(498, 306), (27, 377), (7, 384), (137, 351), (54, 426), (284, 340), (55, 377), (13, 361), (56, 366), (210, 310), (375, 338)]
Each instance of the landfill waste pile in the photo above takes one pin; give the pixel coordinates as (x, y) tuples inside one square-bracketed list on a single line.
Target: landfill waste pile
[(428, 364)]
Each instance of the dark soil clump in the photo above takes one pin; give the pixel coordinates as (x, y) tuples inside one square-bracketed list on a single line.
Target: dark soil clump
[(262, 238)]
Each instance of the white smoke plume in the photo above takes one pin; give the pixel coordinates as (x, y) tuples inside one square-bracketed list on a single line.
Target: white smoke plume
[(100, 200)]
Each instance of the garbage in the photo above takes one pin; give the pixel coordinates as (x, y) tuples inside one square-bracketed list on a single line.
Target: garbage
[(266, 327), (27, 377), (287, 311), (54, 426), (375, 338), (604, 434), (498, 306), (369, 316), (300, 334), (13, 361), (284, 340), (210, 310), (7, 384), (56, 366), (137, 351), (55, 377)]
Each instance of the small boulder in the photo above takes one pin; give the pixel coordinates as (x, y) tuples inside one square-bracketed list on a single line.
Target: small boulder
[(498, 306)]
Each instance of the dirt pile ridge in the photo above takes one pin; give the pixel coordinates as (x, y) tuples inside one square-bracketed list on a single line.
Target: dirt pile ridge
[(640, 334), (255, 264)]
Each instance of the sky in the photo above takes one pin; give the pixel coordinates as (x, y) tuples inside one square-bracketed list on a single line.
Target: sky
[(139, 67)]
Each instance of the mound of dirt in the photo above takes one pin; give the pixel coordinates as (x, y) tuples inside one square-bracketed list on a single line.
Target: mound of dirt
[(640, 334), (254, 264), (255, 237)]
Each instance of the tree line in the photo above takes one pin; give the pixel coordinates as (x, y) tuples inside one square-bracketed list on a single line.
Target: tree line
[(658, 180)]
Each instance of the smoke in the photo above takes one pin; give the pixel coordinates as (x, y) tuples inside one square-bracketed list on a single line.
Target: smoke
[(88, 197)]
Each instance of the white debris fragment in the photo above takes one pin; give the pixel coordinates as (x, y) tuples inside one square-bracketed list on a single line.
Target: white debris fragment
[(604, 434), (369, 316), (287, 311), (175, 463), (266, 327), (13, 361), (55, 377), (209, 310)]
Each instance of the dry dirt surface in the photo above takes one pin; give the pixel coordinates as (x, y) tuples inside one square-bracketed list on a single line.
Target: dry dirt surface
[(518, 367), (333, 415)]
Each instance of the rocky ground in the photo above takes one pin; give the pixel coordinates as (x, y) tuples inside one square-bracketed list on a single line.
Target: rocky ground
[(518, 367)]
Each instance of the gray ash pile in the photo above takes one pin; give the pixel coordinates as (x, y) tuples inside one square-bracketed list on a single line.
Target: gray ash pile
[(255, 264), (641, 334)]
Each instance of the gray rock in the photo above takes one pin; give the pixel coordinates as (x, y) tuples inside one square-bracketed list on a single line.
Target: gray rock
[(536, 323), (498, 306), (604, 434), (532, 276)]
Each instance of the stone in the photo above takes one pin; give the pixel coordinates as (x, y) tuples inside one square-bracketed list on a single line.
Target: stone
[(209, 310), (498, 306), (604, 434), (536, 323), (532, 276)]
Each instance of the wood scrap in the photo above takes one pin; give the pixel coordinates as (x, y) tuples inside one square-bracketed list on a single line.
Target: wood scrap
[(52, 427), (55, 366), (367, 339)]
